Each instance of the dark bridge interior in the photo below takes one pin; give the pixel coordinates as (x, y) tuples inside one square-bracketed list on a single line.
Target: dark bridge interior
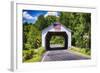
[(48, 37)]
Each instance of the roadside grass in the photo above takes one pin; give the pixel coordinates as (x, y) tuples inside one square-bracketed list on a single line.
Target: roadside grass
[(81, 51), (33, 55)]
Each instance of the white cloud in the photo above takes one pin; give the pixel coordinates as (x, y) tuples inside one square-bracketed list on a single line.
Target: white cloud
[(27, 16), (51, 14), (35, 18)]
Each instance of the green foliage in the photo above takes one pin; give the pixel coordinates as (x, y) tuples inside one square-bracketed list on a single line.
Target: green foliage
[(33, 55), (27, 54), (57, 40), (82, 50), (44, 22), (41, 23), (80, 24), (27, 46), (30, 35), (36, 58), (41, 50)]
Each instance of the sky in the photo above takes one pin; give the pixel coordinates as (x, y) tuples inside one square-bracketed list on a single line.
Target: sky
[(31, 16)]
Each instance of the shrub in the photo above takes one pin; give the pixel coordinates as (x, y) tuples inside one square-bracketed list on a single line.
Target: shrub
[(33, 55), (88, 53), (27, 46), (82, 50), (27, 54), (41, 50), (36, 58)]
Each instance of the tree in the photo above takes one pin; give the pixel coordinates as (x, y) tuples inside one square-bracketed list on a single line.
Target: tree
[(80, 24), (41, 22), (30, 34)]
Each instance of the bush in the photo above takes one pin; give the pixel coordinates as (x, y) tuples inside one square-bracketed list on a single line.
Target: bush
[(36, 58), (82, 50), (41, 50), (88, 53), (27, 54), (33, 55), (75, 49), (27, 46)]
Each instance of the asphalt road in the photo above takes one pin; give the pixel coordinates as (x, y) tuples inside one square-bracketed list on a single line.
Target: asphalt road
[(62, 55)]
